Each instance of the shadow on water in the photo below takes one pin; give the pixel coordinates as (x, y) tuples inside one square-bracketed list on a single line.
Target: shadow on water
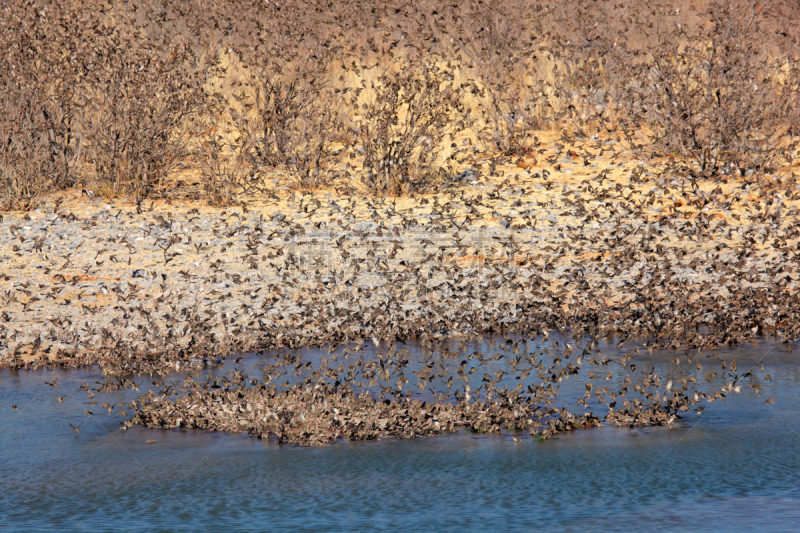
[(720, 470)]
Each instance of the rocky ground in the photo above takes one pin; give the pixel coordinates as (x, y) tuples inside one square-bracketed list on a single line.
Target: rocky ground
[(606, 245)]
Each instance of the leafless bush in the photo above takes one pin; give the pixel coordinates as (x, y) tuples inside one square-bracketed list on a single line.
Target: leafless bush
[(87, 80), (35, 153), (104, 93), (717, 97), (511, 100), (132, 115), (38, 145), (406, 128), (290, 121), (223, 180)]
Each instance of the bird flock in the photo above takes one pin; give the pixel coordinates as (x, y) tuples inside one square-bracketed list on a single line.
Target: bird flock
[(572, 245), (438, 388)]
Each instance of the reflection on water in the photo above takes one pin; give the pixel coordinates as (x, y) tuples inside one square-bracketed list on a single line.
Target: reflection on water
[(721, 470)]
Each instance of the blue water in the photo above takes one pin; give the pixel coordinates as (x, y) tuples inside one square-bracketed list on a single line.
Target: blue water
[(735, 467)]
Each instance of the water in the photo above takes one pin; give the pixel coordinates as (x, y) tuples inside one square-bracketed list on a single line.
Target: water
[(735, 467)]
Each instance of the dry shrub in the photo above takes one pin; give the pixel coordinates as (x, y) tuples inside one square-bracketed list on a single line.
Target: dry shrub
[(225, 175), (717, 96), (501, 53), (290, 120), (223, 180), (110, 84), (133, 115), (38, 143), (586, 34), (106, 91), (35, 153), (406, 127)]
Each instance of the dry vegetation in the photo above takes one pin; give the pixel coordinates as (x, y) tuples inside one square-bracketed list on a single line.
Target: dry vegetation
[(112, 95)]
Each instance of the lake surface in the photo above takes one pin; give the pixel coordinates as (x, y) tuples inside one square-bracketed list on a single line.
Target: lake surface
[(735, 467)]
